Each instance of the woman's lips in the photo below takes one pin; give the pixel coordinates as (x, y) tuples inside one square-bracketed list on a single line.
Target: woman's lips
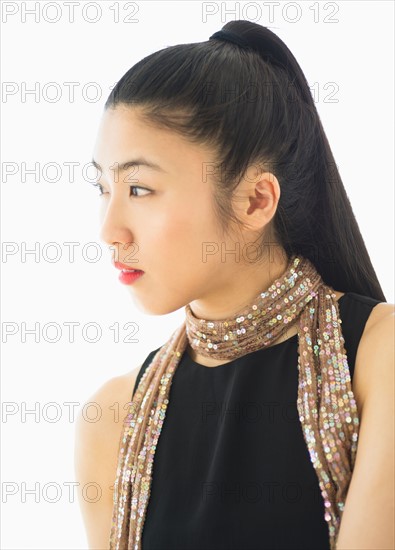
[(128, 275), (125, 267)]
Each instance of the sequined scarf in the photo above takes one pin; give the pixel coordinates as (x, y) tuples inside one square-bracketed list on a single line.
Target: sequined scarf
[(326, 405)]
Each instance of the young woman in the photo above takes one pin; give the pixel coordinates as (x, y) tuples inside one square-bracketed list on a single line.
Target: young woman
[(273, 402)]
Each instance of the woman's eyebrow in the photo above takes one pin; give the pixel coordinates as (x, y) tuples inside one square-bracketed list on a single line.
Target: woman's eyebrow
[(141, 161)]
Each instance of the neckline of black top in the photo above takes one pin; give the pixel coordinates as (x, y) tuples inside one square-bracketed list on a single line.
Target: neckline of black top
[(284, 343)]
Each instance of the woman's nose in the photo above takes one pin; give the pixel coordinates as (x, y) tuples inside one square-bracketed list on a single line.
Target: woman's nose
[(115, 226)]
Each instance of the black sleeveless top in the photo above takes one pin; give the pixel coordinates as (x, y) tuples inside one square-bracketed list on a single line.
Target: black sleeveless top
[(231, 469)]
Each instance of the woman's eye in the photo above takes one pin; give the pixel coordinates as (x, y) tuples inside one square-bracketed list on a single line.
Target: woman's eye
[(137, 187), (132, 187), (100, 188)]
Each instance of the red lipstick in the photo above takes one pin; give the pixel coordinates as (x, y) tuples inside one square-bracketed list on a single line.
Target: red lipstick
[(128, 275)]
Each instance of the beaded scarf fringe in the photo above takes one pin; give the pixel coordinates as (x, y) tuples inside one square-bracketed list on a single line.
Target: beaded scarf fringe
[(326, 404)]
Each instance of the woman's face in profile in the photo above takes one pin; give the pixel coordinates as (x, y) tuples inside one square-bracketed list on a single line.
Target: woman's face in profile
[(165, 224)]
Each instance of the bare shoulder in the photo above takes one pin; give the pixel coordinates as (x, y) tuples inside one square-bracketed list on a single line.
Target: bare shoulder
[(381, 311), (98, 431), (375, 350), (367, 521)]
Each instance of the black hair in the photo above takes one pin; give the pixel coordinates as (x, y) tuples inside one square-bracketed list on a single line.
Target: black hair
[(253, 106)]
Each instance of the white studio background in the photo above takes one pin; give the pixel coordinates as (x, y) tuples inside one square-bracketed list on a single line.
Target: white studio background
[(346, 52)]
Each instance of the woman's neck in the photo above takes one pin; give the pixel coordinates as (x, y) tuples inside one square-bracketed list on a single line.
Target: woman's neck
[(231, 292), (210, 362)]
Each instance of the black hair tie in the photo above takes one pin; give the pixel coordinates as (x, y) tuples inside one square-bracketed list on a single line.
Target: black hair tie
[(230, 36)]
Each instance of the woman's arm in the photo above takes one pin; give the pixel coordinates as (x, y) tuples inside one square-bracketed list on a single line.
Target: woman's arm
[(96, 455), (368, 517)]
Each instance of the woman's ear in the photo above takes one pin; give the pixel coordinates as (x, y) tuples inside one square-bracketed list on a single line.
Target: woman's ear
[(256, 200)]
